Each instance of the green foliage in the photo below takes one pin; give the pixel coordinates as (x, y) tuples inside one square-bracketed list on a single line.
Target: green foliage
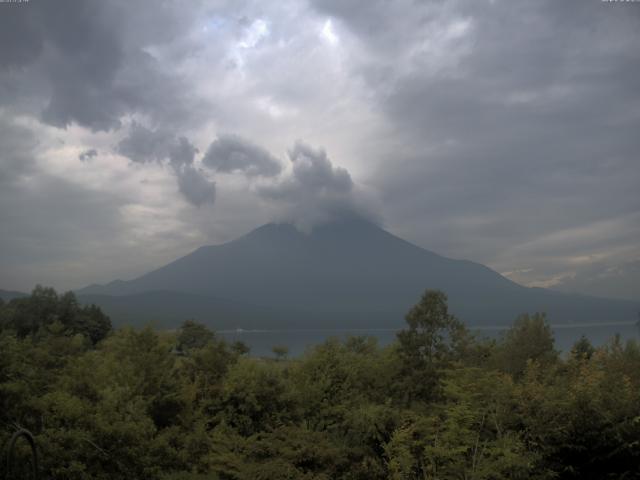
[(280, 351), (254, 398), (193, 335), (582, 349), (432, 341), (45, 312), (529, 339), (142, 404), (240, 348), (468, 434)]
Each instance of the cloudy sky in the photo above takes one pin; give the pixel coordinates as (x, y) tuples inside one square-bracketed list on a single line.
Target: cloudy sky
[(505, 132)]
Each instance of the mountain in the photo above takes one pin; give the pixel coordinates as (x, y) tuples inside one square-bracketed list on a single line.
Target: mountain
[(7, 295), (165, 309), (349, 273)]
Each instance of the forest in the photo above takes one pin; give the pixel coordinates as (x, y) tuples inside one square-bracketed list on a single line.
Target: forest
[(438, 403)]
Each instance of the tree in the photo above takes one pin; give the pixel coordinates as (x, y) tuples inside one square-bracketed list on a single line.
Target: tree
[(530, 338), (429, 344), (254, 398), (193, 335), (240, 348), (582, 349), (280, 351), (26, 315), (92, 323), (44, 309)]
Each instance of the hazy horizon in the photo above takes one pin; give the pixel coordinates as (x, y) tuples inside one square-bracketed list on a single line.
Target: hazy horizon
[(591, 290)]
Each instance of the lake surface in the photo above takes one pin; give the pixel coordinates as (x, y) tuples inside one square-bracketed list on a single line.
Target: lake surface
[(297, 341)]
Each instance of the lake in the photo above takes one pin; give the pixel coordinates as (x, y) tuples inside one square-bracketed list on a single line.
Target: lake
[(297, 341)]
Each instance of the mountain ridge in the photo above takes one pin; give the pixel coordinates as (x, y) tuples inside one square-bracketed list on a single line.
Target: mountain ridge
[(346, 273), (8, 295)]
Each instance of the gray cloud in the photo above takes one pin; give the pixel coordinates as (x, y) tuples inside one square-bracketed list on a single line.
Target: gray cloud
[(88, 155), (84, 59), (92, 67), (47, 222), (16, 159), (18, 22), (195, 187), (500, 146), (182, 152), (313, 171), (231, 153), (600, 279), (315, 191), (143, 145)]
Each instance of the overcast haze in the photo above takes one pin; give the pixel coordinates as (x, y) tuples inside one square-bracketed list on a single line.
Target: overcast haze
[(505, 132)]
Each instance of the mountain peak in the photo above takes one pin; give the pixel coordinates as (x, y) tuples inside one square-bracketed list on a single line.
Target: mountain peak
[(343, 231), (350, 222), (348, 272), (273, 229)]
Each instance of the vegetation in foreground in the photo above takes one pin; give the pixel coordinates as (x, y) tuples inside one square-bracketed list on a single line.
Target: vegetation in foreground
[(436, 404)]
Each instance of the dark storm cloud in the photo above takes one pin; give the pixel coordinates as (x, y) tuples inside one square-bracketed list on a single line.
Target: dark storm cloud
[(18, 22), (84, 61), (72, 45), (143, 145), (195, 187), (88, 155), (86, 55), (315, 191), (182, 152), (231, 153)]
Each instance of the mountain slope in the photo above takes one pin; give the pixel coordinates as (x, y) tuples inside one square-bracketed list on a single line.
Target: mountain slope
[(7, 295), (349, 273)]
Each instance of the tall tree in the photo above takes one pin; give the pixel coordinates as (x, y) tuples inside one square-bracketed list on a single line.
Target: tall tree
[(430, 343), (193, 335), (529, 339)]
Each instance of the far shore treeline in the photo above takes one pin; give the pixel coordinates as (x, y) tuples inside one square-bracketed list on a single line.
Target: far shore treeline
[(438, 403)]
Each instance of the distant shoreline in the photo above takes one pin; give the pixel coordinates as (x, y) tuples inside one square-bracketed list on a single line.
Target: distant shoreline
[(364, 330)]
